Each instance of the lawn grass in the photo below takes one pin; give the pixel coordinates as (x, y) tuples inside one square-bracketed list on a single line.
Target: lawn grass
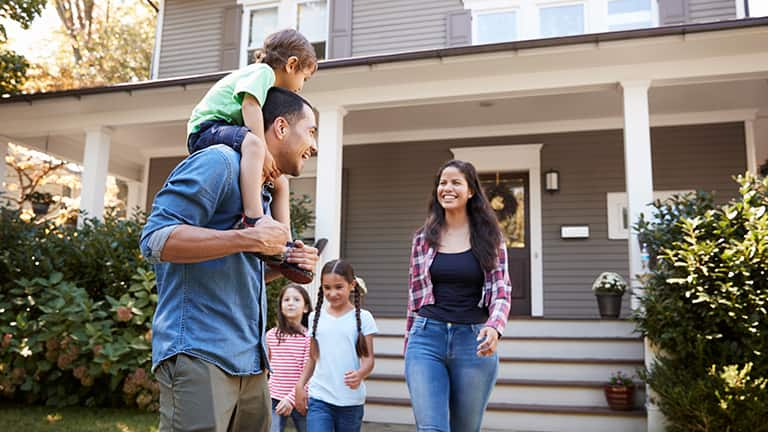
[(25, 418)]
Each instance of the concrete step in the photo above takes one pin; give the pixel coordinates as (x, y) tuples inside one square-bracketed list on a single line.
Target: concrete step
[(539, 327), (523, 417), (585, 369), (515, 391), (544, 346)]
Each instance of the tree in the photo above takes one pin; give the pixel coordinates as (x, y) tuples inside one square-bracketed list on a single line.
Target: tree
[(98, 44), (13, 67)]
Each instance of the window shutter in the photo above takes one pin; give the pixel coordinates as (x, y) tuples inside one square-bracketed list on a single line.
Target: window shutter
[(458, 28), (673, 12), (230, 40), (340, 30)]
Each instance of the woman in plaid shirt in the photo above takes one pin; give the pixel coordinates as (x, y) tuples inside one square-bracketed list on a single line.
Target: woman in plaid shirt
[(458, 303)]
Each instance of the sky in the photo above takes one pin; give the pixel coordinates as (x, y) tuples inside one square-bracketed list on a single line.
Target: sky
[(31, 43)]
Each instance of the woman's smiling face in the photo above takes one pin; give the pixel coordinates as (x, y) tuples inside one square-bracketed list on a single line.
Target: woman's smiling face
[(453, 191)]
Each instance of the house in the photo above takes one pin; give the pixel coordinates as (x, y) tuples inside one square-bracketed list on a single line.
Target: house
[(621, 100)]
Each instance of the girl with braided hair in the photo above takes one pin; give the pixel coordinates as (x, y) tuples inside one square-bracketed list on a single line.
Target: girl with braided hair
[(341, 354)]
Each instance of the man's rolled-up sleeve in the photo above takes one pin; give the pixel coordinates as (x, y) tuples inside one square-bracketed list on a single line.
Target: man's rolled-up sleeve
[(190, 197)]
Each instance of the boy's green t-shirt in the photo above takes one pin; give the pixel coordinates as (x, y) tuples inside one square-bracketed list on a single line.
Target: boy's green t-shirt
[(224, 100)]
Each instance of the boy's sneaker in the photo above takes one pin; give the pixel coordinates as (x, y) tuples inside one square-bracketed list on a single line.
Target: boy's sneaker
[(277, 262)]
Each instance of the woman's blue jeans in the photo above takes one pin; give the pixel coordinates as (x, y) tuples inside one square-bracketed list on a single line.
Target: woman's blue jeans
[(449, 383), (325, 417)]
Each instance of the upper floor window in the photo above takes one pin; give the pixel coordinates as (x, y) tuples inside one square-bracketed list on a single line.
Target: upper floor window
[(263, 17), (312, 22), (494, 26), (629, 14), (561, 20), (508, 20)]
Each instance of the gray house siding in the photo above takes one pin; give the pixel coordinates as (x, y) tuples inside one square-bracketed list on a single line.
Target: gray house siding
[(400, 25), (198, 38), (388, 187), (159, 170), (711, 10)]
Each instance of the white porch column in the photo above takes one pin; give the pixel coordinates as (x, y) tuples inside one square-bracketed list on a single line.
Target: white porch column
[(133, 199), (3, 169), (328, 187), (749, 138), (639, 177), (637, 168), (95, 163)]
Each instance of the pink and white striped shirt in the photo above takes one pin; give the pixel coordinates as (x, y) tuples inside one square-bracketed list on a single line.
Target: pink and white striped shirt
[(287, 360)]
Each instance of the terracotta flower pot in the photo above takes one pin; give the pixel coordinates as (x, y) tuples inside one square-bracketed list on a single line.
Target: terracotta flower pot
[(620, 398)]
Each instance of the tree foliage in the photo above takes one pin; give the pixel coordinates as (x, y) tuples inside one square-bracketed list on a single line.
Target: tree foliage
[(13, 66), (99, 43), (706, 310)]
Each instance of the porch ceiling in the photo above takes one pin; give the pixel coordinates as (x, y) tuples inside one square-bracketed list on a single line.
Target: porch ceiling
[(599, 109), (704, 77)]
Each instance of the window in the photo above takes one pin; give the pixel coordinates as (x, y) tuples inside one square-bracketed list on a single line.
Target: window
[(312, 22), (565, 20), (263, 17), (262, 23), (629, 14), (495, 26)]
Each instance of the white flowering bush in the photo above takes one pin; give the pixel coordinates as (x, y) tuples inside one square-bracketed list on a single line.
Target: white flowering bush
[(609, 283)]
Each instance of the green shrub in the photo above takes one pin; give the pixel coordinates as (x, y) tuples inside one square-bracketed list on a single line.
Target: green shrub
[(76, 307), (61, 347), (100, 256), (705, 309)]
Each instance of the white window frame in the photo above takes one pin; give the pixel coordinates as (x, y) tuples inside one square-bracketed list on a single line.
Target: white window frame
[(603, 26), (528, 16), (616, 203), (484, 7), (586, 13), (287, 17), (478, 12)]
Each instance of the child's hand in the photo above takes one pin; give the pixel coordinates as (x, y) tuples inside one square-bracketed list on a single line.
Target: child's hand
[(270, 170), (284, 408), (353, 379), (301, 400)]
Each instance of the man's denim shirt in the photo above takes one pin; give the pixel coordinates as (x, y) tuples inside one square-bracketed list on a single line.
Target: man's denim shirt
[(213, 310)]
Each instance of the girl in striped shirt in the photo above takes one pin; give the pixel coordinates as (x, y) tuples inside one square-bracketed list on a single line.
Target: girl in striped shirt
[(288, 347)]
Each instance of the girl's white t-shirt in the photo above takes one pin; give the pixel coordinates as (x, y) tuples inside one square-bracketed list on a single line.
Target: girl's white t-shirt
[(336, 337)]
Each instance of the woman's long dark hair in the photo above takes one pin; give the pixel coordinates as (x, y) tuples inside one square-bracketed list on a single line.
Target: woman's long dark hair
[(484, 232), (285, 328)]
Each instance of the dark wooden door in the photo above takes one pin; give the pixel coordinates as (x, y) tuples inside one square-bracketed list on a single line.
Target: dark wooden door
[(508, 194)]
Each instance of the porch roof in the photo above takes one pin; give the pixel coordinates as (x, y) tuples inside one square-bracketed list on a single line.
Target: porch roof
[(416, 55)]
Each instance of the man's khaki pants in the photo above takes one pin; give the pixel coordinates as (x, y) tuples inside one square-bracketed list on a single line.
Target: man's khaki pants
[(198, 396)]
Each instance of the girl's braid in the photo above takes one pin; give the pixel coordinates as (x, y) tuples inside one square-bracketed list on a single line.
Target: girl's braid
[(314, 350), (361, 346)]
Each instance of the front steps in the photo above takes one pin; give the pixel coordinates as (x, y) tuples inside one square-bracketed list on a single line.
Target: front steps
[(550, 377)]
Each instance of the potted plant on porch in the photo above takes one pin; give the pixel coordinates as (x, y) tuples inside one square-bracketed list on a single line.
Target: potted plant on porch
[(609, 287), (41, 202), (620, 392)]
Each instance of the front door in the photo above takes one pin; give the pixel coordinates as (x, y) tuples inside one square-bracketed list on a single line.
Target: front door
[(508, 194)]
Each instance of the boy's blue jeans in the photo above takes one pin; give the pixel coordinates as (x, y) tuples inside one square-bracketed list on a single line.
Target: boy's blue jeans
[(324, 417), (280, 422), (449, 383)]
